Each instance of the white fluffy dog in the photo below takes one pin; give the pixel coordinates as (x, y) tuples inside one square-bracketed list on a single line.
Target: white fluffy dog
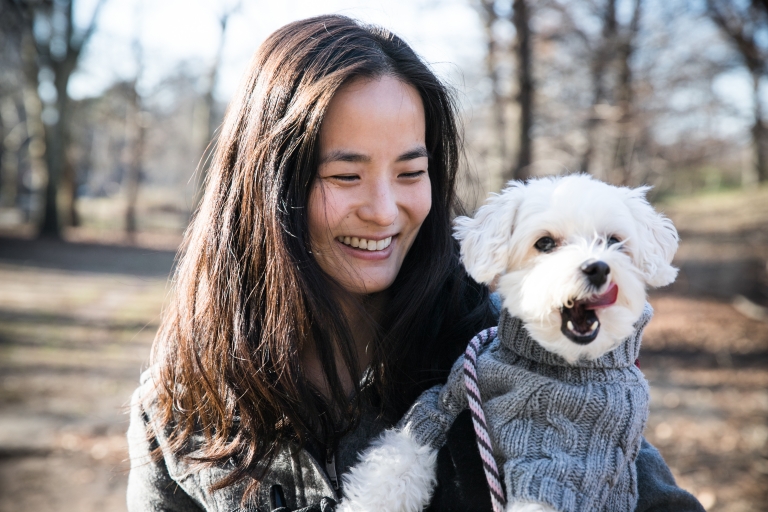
[(572, 258)]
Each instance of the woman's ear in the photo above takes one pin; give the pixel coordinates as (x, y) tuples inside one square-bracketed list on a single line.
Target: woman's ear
[(485, 239), (658, 239)]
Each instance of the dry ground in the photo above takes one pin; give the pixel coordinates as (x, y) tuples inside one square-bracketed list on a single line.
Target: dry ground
[(708, 369), (76, 323), (77, 320), (705, 353)]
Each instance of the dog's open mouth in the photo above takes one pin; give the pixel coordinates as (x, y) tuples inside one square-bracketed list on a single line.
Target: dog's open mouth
[(579, 322)]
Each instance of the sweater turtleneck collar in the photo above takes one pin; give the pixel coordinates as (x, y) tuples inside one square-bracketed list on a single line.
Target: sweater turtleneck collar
[(516, 338)]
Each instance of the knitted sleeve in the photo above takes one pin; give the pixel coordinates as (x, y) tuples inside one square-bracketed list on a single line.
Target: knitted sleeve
[(433, 413)]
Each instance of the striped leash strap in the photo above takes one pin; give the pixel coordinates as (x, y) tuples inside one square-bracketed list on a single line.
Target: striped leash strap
[(478, 417)]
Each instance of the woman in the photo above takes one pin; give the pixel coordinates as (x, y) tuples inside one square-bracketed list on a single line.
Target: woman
[(319, 290)]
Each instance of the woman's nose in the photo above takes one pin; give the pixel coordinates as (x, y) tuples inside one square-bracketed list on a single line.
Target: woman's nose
[(380, 205)]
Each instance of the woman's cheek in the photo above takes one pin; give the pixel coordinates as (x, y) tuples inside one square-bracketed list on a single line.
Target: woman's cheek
[(424, 200), (419, 205)]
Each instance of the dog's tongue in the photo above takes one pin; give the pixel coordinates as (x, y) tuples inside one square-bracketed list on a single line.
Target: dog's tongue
[(603, 300)]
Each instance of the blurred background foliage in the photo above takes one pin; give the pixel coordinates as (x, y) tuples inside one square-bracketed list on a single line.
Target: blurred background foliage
[(109, 109), (669, 93)]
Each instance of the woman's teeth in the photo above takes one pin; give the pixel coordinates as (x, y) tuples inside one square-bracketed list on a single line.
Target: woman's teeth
[(362, 243)]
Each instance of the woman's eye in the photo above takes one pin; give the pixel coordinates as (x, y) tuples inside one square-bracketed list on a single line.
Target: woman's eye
[(612, 240), (545, 244), (414, 174), (345, 177)]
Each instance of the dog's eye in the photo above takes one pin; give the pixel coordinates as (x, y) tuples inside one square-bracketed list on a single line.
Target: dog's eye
[(613, 240), (545, 244)]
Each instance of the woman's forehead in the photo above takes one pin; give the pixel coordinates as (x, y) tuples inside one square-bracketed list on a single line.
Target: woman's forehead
[(369, 115)]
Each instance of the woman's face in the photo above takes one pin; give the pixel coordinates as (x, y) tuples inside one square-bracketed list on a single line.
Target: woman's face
[(372, 190)]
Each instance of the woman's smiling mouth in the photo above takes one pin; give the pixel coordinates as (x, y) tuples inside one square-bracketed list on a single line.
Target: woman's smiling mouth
[(364, 243)]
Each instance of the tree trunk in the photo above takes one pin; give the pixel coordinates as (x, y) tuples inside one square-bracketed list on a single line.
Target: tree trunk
[(759, 130), (602, 57), (69, 189), (521, 19), (205, 115), (56, 149), (133, 177), (733, 24), (9, 165), (489, 16), (3, 153), (759, 133), (36, 130), (50, 226), (56, 134), (626, 140)]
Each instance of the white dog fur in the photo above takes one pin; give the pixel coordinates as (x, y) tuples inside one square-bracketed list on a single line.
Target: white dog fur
[(498, 248), (398, 474)]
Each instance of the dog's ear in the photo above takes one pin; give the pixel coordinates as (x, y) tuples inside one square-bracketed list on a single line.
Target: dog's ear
[(658, 239), (485, 239)]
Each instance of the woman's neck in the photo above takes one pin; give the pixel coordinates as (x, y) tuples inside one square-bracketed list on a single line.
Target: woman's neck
[(362, 313)]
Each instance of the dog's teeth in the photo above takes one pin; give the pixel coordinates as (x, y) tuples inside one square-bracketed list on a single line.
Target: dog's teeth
[(570, 325), (594, 326)]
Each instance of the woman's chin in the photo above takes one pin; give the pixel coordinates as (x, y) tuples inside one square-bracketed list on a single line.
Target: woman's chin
[(370, 284)]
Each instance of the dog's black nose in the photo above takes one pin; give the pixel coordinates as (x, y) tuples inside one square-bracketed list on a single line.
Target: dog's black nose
[(596, 272)]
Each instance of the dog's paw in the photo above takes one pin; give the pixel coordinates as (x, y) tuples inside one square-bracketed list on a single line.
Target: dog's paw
[(396, 474)]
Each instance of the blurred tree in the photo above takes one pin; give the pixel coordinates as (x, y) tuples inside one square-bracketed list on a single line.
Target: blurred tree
[(609, 52), (517, 14), (12, 125), (22, 164), (627, 136), (13, 132), (627, 90), (521, 14), (137, 125), (493, 56), (602, 37), (602, 54), (745, 23), (205, 119), (51, 48)]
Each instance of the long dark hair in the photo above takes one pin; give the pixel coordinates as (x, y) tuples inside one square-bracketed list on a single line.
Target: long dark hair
[(249, 296)]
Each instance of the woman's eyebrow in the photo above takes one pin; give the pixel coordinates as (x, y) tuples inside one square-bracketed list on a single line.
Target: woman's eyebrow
[(418, 152), (341, 155)]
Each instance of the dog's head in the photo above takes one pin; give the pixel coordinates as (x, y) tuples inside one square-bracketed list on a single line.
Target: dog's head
[(571, 257)]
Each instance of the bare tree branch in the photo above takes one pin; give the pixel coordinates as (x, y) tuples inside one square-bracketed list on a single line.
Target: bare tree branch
[(489, 17), (741, 28), (206, 120), (91, 27), (602, 57)]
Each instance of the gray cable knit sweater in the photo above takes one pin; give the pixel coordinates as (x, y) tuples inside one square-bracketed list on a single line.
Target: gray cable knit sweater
[(564, 435)]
